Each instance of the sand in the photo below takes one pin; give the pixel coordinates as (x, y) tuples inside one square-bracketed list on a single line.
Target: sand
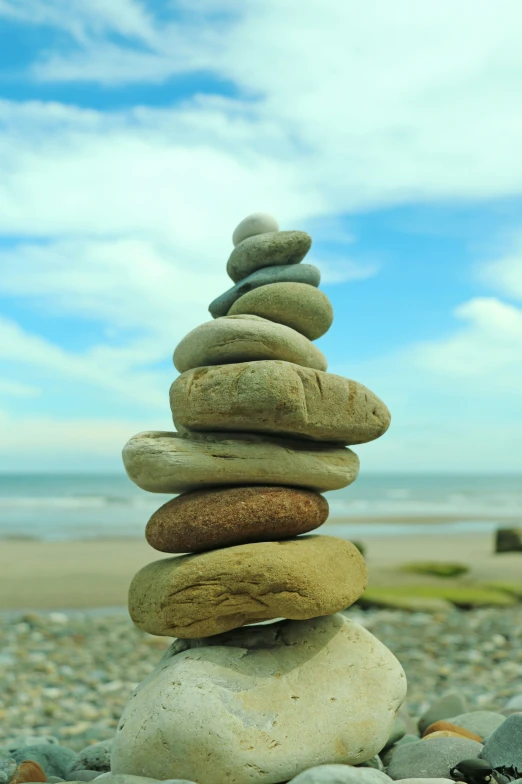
[(96, 573)]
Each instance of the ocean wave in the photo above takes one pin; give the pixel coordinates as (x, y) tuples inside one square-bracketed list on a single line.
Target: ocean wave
[(71, 502)]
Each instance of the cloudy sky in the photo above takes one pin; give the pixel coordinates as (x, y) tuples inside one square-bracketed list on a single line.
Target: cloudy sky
[(134, 136)]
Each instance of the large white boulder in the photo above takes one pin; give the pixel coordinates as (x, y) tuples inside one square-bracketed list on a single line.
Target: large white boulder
[(262, 704)]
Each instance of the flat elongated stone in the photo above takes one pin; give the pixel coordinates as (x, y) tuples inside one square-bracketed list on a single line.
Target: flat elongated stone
[(164, 462), (208, 519), (301, 307), (213, 592), (245, 339), (267, 250), (256, 223), (287, 273), (279, 398), (262, 704)]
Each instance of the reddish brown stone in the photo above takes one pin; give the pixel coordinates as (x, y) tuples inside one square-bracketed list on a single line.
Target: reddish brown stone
[(28, 770), (447, 726), (220, 517)]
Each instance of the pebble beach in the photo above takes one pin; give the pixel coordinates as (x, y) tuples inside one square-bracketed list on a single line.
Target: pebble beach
[(61, 674)]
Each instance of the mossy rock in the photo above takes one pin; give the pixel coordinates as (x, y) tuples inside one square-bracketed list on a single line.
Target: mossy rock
[(436, 568), (410, 596), (513, 589)]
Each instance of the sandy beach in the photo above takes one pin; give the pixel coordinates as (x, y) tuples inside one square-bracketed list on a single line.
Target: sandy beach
[(96, 573)]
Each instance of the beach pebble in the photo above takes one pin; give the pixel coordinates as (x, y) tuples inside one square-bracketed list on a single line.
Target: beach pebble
[(481, 722), (277, 398), (287, 273), (245, 339), (296, 305), (448, 705), (29, 770), (514, 704), (200, 595), (267, 250), (256, 223), (8, 766), (340, 774), (220, 517), (503, 747), (163, 462), (425, 781), (374, 762), (82, 775), (386, 753), (127, 778), (275, 699), (55, 760), (97, 756), (398, 731), (30, 740), (431, 760), (448, 726)]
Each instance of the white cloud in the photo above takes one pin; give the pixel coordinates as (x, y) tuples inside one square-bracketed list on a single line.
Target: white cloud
[(505, 273), (18, 390)]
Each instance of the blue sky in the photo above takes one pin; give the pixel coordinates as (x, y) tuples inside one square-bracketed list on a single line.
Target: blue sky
[(134, 137)]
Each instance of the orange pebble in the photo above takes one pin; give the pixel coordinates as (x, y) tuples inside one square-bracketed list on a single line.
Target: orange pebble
[(447, 726), (442, 734), (28, 770)]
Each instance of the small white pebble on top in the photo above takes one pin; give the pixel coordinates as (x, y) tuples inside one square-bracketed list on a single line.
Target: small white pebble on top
[(257, 223)]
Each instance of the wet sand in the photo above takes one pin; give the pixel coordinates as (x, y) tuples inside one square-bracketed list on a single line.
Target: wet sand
[(96, 573)]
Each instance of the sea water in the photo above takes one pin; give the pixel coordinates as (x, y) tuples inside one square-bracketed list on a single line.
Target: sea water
[(74, 506)]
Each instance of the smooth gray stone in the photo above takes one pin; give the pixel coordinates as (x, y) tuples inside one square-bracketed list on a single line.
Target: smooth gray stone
[(481, 722), (449, 704), (504, 745), (431, 758), (374, 762), (29, 740), (267, 250), (340, 774), (398, 731), (128, 778), (387, 754), (514, 704), (7, 769), (286, 273), (83, 775), (95, 757), (55, 760)]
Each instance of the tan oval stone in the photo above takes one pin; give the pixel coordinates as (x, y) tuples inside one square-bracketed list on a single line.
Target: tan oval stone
[(205, 594), (245, 339), (448, 726), (163, 462), (443, 734), (209, 519), (269, 249), (278, 398), (297, 305)]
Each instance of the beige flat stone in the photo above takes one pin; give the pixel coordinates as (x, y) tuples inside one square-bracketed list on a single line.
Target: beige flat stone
[(297, 305), (279, 398), (164, 462), (244, 339), (261, 704), (220, 517), (267, 250), (213, 592)]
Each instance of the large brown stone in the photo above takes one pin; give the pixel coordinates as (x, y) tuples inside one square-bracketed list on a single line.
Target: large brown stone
[(163, 462), (209, 519), (297, 305), (245, 339), (280, 398), (201, 595)]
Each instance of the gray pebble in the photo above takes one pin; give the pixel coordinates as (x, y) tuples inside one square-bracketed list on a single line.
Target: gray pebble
[(83, 775), (54, 779), (373, 762), (449, 704), (340, 774), (267, 250), (398, 731), (287, 273), (128, 778), (504, 745), (514, 704), (481, 722), (7, 769), (431, 759), (55, 760), (30, 740), (386, 754), (97, 757)]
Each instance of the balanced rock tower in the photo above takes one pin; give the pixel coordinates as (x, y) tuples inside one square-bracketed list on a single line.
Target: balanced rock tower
[(262, 431)]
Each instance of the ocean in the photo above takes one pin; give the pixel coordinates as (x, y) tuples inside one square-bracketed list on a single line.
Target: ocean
[(75, 506)]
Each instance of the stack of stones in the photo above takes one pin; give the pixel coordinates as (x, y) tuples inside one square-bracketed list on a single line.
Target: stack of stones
[(262, 431)]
